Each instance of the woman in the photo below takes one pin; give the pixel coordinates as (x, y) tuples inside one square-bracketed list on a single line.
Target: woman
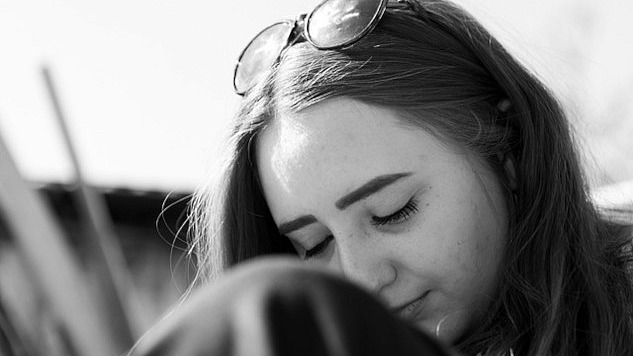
[(422, 162)]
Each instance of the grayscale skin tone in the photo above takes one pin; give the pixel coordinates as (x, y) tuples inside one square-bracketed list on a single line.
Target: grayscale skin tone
[(407, 216)]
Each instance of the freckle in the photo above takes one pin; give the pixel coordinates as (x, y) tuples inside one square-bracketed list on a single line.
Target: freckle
[(427, 204)]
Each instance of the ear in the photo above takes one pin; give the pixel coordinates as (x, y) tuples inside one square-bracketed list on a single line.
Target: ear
[(508, 167)]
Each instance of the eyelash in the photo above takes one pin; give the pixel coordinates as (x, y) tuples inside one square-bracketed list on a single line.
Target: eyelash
[(403, 214), (318, 249)]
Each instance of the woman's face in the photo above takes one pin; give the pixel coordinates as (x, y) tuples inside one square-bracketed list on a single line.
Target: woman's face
[(390, 207)]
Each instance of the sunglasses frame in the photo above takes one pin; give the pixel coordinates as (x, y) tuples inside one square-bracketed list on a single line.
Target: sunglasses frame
[(370, 26), (299, 32)]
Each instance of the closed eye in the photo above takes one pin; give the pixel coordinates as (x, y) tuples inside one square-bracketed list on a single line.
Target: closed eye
[(319, 248), (403, 214)]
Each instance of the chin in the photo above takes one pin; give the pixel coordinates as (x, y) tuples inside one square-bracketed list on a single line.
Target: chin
[(449, 328)]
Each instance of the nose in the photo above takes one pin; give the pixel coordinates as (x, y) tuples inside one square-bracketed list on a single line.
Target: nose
[(363, 260)]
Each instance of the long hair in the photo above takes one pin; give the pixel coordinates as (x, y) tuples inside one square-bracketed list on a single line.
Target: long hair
[(566, 284)]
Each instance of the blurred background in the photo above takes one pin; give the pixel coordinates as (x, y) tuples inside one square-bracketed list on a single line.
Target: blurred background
[(146, 89)]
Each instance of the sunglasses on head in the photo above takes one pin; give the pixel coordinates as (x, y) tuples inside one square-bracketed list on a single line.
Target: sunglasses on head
[(333, 24)]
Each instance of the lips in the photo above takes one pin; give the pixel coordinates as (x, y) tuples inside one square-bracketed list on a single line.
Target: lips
[(412, 309)]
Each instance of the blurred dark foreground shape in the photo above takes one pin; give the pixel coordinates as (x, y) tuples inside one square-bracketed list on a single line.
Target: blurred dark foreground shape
[(281, 307)]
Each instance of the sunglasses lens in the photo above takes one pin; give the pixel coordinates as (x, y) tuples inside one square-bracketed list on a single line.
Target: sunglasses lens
[(260, 54), (337, 23)]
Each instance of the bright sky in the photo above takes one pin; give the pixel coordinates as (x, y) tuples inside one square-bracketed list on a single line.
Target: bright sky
[(146, 85)]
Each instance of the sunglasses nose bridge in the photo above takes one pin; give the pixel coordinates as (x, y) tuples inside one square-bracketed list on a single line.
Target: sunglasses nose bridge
[(301, 19), (298, 31)]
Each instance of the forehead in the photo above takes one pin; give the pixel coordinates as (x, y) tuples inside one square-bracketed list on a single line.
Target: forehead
[(334, 131), (328, 149)]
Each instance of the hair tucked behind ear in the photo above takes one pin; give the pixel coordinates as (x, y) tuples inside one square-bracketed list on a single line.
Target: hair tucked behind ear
[(566, 286)]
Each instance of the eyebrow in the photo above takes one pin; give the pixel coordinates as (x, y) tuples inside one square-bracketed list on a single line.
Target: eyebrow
[(373, 186), (367, 189), (296, 224)]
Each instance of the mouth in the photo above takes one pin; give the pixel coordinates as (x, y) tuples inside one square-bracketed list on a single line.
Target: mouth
[(413, 308)]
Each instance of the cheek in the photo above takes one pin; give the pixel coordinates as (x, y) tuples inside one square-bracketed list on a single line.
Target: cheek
[(459, 245), (439, 246), (481, 252)]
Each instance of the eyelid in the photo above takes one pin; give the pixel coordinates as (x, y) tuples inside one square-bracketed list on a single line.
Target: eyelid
[(319, 248), (401, 215), (300, 243)]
